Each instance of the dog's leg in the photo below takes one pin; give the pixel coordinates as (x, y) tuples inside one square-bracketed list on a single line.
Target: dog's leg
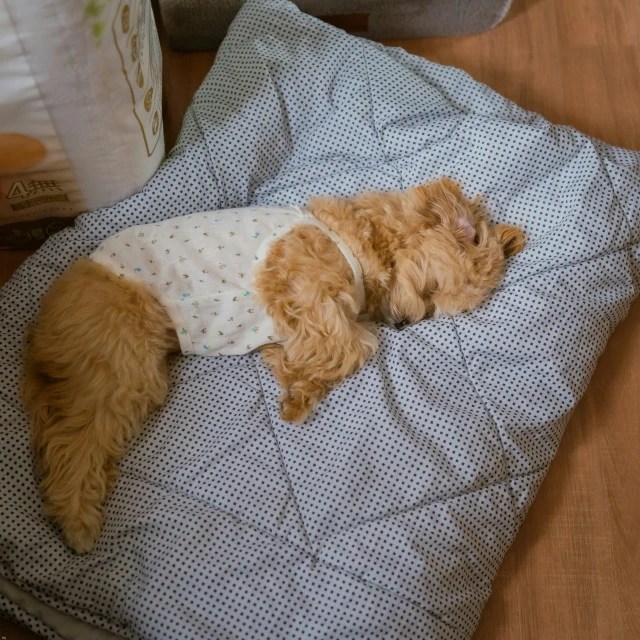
[(95, 365), (307, 288), (325, 346)]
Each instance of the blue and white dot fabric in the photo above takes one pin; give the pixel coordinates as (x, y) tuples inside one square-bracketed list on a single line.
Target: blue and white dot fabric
[(387, 514)]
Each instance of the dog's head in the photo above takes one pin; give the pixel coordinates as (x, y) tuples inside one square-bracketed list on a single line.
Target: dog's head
[(451, 257)]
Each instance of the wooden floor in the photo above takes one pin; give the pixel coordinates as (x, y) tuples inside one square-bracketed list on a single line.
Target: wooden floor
[(574, 570)]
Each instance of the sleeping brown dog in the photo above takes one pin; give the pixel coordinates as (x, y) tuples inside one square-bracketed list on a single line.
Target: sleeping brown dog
[(96, 358)]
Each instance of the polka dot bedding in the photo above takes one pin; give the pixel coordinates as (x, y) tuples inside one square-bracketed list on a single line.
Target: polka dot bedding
[(386, 515)]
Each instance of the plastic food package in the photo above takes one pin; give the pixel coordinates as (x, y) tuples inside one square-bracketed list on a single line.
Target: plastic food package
[(80, 110)]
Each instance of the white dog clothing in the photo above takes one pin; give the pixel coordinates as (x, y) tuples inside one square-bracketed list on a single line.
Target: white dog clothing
[(200, 268)]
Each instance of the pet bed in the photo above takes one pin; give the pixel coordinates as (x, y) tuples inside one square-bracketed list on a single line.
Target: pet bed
[(387, 514)]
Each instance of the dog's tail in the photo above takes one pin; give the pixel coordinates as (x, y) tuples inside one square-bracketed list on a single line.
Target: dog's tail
[(95, 367)]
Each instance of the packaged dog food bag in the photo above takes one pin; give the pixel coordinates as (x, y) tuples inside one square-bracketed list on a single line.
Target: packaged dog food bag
[(80, 110)]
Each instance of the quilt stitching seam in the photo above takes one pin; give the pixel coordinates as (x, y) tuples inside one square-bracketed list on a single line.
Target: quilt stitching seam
[(493, 422), (428, 503), (286, 542), (233, 516), (210, 165), (370, 583), (284, 466), (620, 207), (373, 124), (568, 265)]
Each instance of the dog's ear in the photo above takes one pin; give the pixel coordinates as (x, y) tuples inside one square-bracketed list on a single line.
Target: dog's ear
[(511, 238), (441, 202), (314, 308), (444, 185)]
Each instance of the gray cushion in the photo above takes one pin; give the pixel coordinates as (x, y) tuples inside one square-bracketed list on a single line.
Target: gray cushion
[(388, 513), (202, 24)]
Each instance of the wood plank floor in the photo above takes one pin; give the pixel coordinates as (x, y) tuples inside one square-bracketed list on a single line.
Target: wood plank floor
[(574, 570)]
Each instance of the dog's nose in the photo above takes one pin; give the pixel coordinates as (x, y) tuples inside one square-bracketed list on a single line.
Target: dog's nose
[(402, 324)]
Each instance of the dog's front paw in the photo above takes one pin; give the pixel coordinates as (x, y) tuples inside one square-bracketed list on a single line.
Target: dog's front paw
[(295, 408)]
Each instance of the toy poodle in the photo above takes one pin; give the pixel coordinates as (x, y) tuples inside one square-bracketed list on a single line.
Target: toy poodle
[(304, 286)]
